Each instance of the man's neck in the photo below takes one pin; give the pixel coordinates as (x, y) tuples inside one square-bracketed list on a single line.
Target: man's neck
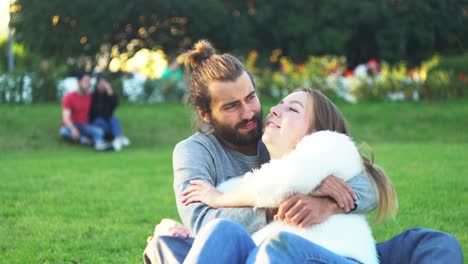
[(80, 92), (249, 150)]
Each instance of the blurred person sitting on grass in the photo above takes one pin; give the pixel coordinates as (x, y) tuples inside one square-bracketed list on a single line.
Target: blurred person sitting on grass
[(75, 111), (103, 104)]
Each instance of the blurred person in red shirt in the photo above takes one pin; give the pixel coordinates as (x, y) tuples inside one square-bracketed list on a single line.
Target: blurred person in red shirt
[(75, 112)]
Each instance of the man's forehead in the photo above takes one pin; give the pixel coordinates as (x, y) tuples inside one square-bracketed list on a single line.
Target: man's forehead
[(222, 92)]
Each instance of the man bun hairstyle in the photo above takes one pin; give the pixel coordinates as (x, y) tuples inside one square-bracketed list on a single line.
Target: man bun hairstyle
[(203, 66), (201, 51)]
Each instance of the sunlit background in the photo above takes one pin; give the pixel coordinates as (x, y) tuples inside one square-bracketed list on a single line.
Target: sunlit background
[(4, 17), (383, 52), (149, 63)]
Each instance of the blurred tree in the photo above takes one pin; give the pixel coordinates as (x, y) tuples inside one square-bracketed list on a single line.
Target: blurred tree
[(391, 30)]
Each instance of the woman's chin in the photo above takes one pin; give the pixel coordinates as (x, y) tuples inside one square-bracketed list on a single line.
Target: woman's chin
[(266, 138)]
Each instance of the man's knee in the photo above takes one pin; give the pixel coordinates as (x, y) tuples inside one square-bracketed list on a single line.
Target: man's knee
[(438, 239), (443, 238), (419, 245), (95, 131), (65, 132), (98, 131)]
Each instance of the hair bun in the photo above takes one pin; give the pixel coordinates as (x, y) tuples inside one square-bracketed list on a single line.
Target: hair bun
[(201, 51)]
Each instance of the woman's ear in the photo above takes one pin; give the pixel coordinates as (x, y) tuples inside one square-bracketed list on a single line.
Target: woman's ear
[(204, 115)]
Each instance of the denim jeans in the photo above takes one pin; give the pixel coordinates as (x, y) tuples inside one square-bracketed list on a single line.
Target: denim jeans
[(223, 241), (421, 245), (235, 245), (110, 127), (87, 132), (285, 247)]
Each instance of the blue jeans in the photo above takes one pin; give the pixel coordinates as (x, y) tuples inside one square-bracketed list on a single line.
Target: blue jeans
[(223, 241), (110, 127), (232, 241), (285, 247), (238, 247), (421, 245), (87, 132)]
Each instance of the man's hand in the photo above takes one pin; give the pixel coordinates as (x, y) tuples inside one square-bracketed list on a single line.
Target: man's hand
[(339, 190), (75, 133), (304, 211)]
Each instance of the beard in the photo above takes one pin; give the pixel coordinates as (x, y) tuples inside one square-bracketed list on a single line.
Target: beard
[(83, 90), (234, 136)]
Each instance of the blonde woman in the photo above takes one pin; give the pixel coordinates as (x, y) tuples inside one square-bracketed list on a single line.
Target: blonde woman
[(307, 139)]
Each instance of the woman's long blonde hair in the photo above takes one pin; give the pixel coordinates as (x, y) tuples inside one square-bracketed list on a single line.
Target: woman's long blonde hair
[(326, 116)]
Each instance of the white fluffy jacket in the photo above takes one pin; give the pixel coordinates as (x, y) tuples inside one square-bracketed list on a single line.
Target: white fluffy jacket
[(316, 156)]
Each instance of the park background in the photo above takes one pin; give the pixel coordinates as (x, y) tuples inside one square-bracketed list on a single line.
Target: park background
[(67, 203)]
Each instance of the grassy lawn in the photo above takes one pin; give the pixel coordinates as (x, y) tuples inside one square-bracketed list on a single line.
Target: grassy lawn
[(65, 203)]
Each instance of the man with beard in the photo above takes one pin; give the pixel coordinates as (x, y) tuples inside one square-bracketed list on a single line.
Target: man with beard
[(228, 145)]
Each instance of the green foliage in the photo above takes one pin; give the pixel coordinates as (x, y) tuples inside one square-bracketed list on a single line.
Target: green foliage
[(156, 90), (38, 85), (44, 81), (448, 79), (23, 60), (436, 78), (360, 30), (33, 77), (318, 73), (64, 203), (392, 79)]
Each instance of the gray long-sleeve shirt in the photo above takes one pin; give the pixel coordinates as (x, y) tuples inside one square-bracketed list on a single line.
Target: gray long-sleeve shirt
[(202, 156)]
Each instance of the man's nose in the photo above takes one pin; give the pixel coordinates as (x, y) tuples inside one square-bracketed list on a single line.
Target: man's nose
[(247, 112)]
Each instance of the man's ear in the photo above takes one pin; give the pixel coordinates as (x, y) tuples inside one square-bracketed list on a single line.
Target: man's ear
[(204, 115)]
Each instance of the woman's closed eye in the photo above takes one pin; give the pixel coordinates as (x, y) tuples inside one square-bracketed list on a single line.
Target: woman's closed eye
[(293, 109)]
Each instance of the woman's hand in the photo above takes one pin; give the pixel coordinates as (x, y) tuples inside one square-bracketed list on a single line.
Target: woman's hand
[(203, 192), (108, 88), (337, 189), (169, 227)]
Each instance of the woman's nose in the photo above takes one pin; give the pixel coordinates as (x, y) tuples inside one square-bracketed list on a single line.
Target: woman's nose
[(275, 111)]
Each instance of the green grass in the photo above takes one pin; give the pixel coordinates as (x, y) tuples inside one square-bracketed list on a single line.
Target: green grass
[(66, 203)]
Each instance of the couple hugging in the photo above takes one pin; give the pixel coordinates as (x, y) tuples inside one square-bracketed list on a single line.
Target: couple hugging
[(304, 188), (89, 118)]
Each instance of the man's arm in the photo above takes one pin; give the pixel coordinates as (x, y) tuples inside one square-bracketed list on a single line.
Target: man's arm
[(356, 195), (66, 119), (366, 195), (191, 160), (113, 97)]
